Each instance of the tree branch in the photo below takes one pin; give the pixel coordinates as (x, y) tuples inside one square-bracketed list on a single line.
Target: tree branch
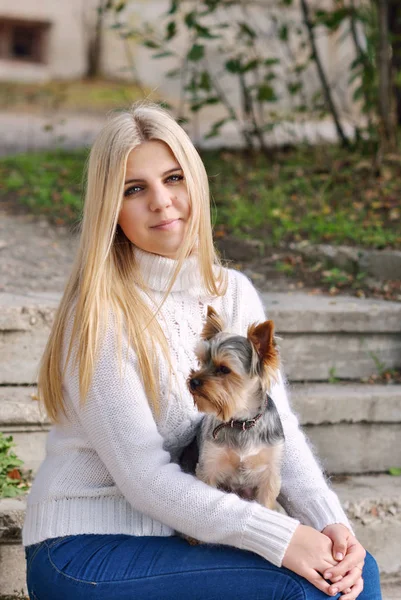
[(322, 75)]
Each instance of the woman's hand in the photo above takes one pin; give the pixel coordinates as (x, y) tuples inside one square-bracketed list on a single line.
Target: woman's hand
[(346, 576), (309, 554)]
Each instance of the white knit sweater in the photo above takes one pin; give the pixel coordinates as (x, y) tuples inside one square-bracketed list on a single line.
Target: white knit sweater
[(110, 467)]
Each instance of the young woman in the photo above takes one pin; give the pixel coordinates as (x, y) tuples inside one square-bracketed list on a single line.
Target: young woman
[(109, 498)]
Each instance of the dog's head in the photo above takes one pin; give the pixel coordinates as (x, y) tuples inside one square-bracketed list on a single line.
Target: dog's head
[(233, 369)]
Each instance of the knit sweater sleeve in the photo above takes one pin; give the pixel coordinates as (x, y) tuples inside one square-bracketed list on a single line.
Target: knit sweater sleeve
[(120, 428), (305, 493)]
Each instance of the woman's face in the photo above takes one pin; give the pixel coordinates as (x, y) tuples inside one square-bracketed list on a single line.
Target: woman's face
[(155, 211)]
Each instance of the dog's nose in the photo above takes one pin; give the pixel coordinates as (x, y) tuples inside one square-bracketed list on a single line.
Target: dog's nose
[(195, 383)]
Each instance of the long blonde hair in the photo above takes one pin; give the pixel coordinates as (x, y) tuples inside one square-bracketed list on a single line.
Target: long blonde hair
[(105, 266)]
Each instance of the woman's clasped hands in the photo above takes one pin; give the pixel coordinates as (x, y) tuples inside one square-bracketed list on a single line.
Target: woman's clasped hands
[(334, 554)]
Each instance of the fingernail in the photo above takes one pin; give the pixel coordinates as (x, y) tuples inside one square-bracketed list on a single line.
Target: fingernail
[(334, 591), (328, 575), (339, 556)]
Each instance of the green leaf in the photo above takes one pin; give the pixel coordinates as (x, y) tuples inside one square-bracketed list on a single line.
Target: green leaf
[(332, 19), (250, 66), (196, 53), (247, 30), (192, 86), (196, 106), (205, 81), (215, 129), (233, 65), (213, 100), (151, 44), (190, 19), (270, 62), (171, 30), (358, 94), (212, 4), (294, 87), (283, 33), (163, 54), (300, 68), (396, 471), (205, 32), (266, 93), (269, 127), (8, 461), (120, 6), (173, 73), (173, 7)]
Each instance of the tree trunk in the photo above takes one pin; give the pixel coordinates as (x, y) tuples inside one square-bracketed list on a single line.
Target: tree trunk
[(394, 24), (369, 99), (95, 44), (322, 75), (385, 87)]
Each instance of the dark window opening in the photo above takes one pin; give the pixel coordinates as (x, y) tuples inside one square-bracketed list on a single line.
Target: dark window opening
[(23, 40), (23, 43)]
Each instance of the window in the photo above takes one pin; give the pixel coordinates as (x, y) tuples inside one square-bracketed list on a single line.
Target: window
[(23, 40)]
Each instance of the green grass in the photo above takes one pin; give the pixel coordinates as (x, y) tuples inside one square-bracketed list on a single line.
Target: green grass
[(317, 194), (47, 183), (323, 195), (95, 95)]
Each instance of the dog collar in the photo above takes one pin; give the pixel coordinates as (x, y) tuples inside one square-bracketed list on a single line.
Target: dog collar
[(242, 425)]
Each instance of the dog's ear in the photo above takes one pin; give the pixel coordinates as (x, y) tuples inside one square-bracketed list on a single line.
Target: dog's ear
[(262, 338), (214, 324)]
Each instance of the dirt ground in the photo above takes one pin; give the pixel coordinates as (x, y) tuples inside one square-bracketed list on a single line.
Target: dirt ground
[(34, 256), (37, 256)]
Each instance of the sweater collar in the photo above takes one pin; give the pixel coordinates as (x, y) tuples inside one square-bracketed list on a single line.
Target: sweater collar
[(157, 271)]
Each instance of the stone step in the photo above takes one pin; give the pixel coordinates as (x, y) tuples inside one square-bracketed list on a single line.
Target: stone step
[(344, 337), (322, 337), (373, 503), (354, 428), (21, 417), (391, 590)]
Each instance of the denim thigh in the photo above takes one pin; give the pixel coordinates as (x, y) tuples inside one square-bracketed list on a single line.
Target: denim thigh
[(164, 568)]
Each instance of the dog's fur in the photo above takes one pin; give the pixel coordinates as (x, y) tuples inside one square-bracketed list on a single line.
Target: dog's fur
[(232, 386)]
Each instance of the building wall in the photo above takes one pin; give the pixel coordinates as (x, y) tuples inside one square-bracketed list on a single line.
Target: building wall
[(67, 38), (65, 56)]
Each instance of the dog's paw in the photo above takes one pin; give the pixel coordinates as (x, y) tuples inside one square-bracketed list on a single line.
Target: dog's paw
[(191, 541)]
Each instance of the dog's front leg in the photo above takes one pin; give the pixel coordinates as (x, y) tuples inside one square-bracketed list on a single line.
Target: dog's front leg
[(268, 491)]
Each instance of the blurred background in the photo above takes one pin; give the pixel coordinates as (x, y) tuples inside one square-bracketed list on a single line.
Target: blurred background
[(295, 106)]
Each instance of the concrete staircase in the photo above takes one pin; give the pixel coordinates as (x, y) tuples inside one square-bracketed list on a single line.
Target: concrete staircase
[(328, 345)]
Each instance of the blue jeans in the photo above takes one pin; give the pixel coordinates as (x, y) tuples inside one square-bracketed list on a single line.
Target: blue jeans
[(125, 567)]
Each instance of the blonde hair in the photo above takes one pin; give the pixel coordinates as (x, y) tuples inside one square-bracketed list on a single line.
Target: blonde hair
[(105, 266)]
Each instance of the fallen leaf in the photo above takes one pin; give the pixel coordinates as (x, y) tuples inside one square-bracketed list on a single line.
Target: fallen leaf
[(14, 474)]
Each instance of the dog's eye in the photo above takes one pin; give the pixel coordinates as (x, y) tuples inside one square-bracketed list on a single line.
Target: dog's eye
[(222, 369)]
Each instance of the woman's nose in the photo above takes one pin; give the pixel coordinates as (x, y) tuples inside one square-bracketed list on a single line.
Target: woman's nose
[(160, 198)]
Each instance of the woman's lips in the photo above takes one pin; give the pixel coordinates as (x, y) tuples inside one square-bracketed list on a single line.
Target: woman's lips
[(166, 225)]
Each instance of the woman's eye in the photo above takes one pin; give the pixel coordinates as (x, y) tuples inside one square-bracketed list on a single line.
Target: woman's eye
[(175, 178), (132, 190), (223, 370)]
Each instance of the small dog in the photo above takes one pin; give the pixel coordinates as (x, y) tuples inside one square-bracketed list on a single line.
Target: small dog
[(241, 438)]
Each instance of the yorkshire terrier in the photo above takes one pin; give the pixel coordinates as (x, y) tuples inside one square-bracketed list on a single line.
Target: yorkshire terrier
[(241, 439)]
